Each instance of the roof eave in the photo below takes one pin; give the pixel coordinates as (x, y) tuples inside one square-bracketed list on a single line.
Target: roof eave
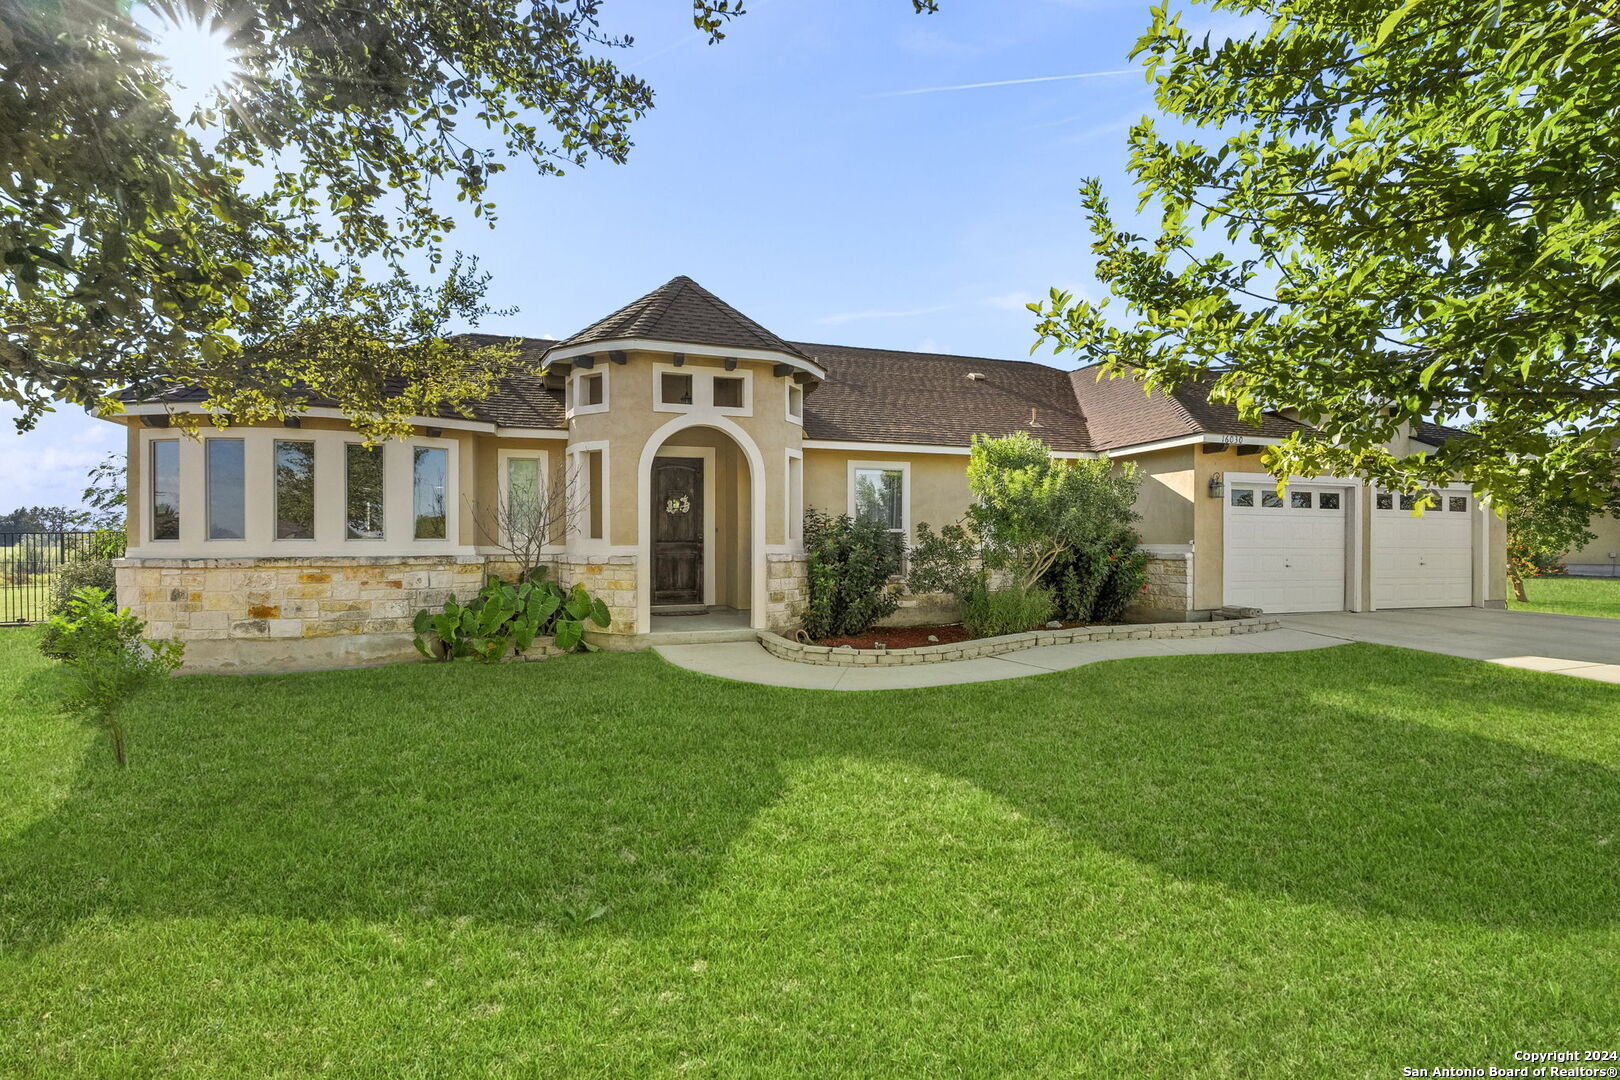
[(567, 350)]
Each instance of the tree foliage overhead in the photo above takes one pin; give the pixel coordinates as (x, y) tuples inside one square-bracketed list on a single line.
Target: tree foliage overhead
[(261, 245), (1396, 211)]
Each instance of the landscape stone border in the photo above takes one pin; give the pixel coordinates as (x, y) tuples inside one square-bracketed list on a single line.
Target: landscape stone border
[(844, 656)]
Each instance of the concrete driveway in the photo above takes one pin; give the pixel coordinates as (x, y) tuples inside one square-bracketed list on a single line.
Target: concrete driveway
[(1567, 644)]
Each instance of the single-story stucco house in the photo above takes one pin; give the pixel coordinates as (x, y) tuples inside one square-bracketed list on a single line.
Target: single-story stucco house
[(692, 439)]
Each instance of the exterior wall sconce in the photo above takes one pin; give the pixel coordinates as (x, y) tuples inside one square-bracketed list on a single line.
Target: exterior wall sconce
[(1217, 486)]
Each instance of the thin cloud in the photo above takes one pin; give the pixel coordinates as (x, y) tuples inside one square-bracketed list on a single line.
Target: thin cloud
[(839, 318), (1006, 82)]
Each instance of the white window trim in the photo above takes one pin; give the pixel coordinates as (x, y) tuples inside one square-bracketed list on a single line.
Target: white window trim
[(578, 375), (702, 390), (902, 467), (502, 490), (788, 403), (275, 496), (579, 520), (792, 509), (388, 501), (149, 471), (208, 490), (330, 499), (449, 491)]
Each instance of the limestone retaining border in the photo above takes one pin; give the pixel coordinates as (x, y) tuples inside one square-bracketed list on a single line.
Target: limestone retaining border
[(781, 647)]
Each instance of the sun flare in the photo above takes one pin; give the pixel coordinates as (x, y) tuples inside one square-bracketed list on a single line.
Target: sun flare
[(199, 57)]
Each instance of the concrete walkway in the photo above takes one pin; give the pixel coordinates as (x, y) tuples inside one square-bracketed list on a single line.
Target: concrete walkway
[(747, 661), (1563, 644), (1586, 648)]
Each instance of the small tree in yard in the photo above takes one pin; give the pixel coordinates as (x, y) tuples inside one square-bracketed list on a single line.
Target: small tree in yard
[(107, 661), (1029, 508), (1543, 526), (524, 521), (1060, 530)]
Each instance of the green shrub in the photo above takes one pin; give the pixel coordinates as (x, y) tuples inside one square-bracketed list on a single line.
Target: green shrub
[(849, 566), (106, 660), (990, 612), (1030, 509), (506, 616), (1097, 583), (942, 562), (81, 572)]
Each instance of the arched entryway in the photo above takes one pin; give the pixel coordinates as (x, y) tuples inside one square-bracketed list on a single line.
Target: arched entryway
[(701, 536)]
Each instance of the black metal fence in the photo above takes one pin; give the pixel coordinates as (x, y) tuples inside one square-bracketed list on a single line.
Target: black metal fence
[(31, 561)]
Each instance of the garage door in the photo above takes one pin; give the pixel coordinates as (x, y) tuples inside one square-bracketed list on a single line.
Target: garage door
[(1423, 561), (1285, 553)]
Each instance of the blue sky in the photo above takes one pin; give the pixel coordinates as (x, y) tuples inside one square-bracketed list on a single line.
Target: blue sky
[(789, 170)]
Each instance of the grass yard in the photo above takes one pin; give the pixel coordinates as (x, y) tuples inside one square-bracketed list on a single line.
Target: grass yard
[(1571, 596), (1332, 863)]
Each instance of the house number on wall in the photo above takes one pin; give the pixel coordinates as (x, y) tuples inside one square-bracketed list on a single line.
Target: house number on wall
[(681, 504)]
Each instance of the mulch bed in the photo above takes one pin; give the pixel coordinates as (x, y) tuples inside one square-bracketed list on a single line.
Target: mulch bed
[(901, 637), (909, 637)]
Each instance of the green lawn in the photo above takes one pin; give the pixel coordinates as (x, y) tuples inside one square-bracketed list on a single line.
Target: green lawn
[(1332, 863), (1571, 596)]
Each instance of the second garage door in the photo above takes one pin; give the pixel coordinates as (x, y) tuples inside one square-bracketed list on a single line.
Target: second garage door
[(1423, 561), (1285, 553)]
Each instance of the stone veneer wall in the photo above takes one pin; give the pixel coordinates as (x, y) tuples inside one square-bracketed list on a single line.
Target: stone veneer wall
[(1168, 596), (994, 646), (266, 614), (787, 590)]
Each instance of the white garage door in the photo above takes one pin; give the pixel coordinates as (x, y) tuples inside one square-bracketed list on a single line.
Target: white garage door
[(1287, 553), (1423, 561)]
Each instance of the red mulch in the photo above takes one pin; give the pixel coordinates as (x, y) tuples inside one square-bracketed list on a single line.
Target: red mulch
[(907, 637), (900, 637)]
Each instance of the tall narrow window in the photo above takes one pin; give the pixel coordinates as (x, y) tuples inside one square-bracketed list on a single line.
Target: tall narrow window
[(592, 389), (795, 498), (526, 511), (226, 512), (795, 401), (166, 490), (598, 512), (432, 476), (295, 490), (363, 495)]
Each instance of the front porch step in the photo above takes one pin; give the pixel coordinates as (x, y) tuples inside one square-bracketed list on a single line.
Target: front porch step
[(636, 642), (681, 609)]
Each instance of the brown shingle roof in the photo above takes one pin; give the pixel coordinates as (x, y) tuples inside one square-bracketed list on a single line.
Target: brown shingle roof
[(1437, 434), (1120, 412), (521, 401), (684, 312), (886, 396)]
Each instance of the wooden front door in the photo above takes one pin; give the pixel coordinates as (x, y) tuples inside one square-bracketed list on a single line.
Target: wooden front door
[(677, 535)]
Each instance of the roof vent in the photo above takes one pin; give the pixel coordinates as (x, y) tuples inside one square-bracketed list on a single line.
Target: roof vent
[(975, 376)]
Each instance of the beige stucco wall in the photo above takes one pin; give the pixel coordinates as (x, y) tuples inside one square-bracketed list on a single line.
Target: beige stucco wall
[(1597, 552), (631, 421), (938, 493), (1165, 499)]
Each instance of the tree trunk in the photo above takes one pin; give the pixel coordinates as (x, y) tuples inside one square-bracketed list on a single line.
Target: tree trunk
[(1518, 583), (116, 730)]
